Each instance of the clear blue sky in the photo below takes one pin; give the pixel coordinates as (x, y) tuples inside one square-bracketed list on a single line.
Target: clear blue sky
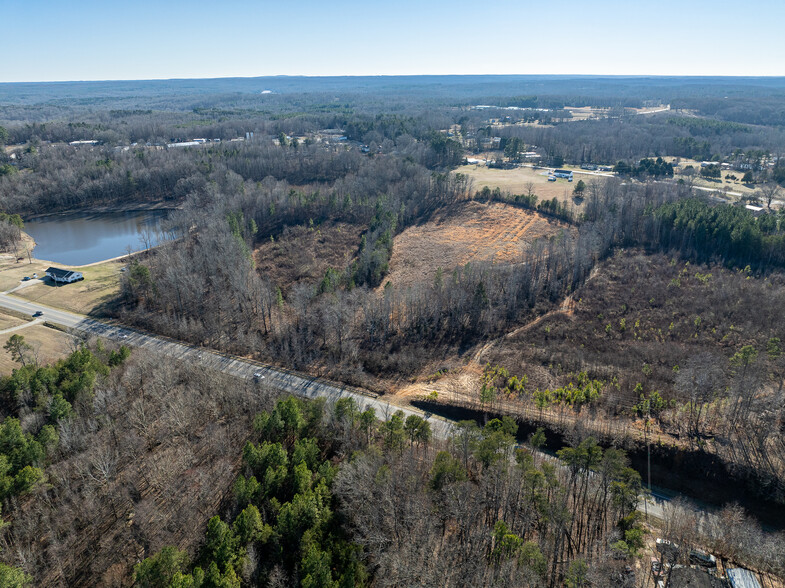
[(47, 40)]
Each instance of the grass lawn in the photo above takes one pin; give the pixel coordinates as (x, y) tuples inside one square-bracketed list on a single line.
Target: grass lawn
[(8, 320), (100, 285), (48, 345)]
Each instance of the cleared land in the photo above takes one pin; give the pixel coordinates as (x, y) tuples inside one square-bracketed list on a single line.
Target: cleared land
[(48, 344), (517, 180), (305, 253), (727, 178), (471, 231)]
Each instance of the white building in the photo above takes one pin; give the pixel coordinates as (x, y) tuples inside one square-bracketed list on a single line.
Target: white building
[(64, 276)]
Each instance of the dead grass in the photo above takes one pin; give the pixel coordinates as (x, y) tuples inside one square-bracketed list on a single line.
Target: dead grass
[(100, 286), (470, 231), (516, 181), (727, 182), (49, 345), (8, 321)]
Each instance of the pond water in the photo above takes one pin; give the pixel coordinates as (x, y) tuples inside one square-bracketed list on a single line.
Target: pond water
[(84, 237)]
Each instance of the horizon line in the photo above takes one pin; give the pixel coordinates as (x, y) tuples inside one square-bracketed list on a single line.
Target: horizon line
[(462, 75)]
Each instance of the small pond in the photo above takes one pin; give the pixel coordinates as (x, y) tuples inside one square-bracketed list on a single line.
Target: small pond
[(82, 237)]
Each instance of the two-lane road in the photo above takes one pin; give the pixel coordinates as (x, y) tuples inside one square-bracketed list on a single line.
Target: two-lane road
[(282, 380)]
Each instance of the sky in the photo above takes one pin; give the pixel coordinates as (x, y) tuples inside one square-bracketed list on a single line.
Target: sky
[(57, 40)]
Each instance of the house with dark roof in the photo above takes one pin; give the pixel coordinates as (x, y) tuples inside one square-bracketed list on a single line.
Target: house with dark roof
[(64, 276)]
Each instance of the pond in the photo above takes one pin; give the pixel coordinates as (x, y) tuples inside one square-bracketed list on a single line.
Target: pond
[(84, 237)]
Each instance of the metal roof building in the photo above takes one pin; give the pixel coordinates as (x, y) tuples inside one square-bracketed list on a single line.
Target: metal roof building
[(741, 578)]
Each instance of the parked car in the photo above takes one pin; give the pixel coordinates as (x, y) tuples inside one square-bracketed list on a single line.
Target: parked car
[(258, 376), (656, 567), (26, 279), (667, 548), (551, 178), (38, 313), (702, 558), (35, 276)]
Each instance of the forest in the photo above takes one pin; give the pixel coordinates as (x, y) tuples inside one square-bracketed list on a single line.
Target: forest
[(646, 309)]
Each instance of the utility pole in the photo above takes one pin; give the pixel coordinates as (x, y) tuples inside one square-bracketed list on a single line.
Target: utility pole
[(648, 457), (648, 444)]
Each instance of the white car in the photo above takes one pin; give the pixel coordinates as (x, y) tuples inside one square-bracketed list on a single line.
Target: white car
[(258, 376)]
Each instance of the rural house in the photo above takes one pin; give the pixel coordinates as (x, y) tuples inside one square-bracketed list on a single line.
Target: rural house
[(65, 276)]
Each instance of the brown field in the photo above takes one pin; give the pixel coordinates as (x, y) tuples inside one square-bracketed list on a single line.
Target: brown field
[(49, 345), (100, 286), (517, 180), (305, 253), (471, 231), (11, 273), (8, 320)]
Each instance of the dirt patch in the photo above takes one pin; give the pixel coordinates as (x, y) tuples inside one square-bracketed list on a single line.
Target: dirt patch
[(304, 253), (471, 231)]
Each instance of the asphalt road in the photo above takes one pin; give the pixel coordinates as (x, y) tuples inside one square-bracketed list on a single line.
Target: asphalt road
[(285, 381)]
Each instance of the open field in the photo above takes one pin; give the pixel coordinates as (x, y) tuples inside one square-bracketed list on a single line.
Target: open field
[(517, 180), (732, 185), (11, 273), (471, 231), (49, 345), (305, 253), (9, 320), (101, 285)]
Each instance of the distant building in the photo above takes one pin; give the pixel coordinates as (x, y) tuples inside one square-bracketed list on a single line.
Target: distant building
[(184, 144), (563, 173), (741, 578), (64, 276)]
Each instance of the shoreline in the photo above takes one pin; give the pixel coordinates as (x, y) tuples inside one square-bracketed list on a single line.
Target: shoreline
[(108, 209), (29, 244)]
